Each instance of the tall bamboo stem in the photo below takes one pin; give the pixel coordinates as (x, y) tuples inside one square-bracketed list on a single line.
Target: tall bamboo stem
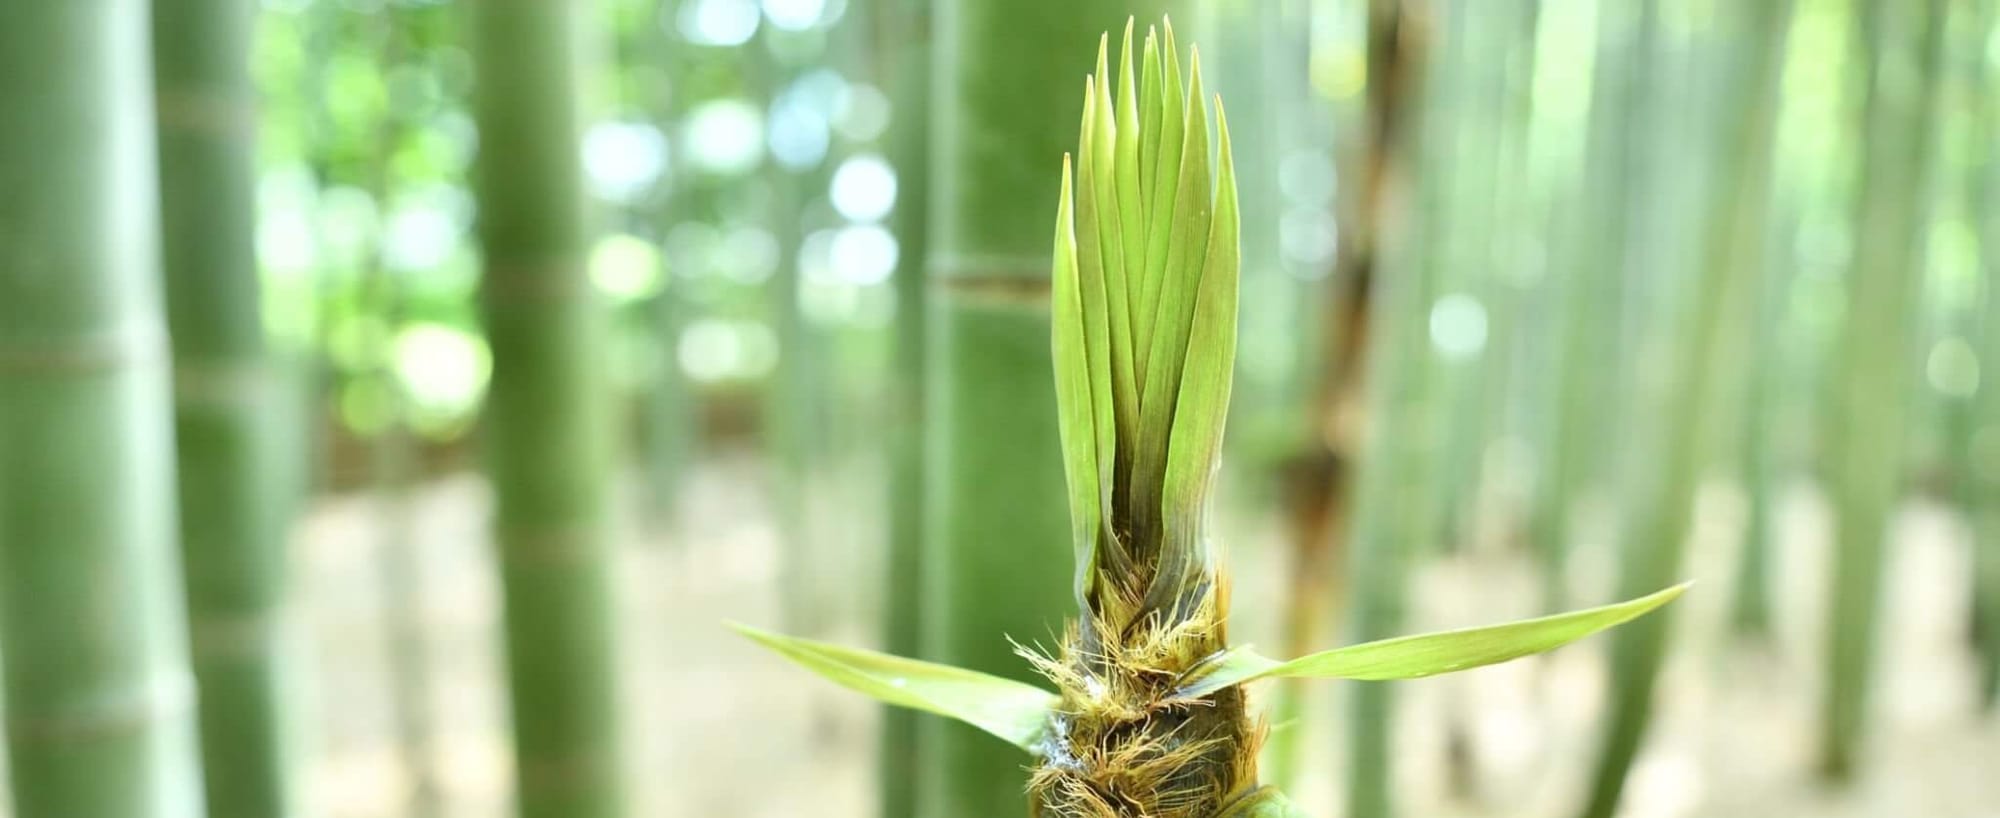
[(1983, 499), (1734, 232), (232, 509), (904, 40), (546, 423), (95, 677), (1872, 404), (1394, 514)]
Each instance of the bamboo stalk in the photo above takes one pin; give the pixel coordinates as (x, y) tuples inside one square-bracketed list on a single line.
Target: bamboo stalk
[(95, 672), (1871, 401), (1590, 330), (1395, 512), (546, 423), (1983, 499), (793, 425), (903, 38), (1321, 483), (1759, 463), (1733, 237), (232, 510)]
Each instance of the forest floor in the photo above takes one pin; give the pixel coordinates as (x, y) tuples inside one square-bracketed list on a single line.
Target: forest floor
[(720, 730)]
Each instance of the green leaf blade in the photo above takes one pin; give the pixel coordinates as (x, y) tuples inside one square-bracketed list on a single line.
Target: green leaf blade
[(1101, 176), (1201, 404), (1165, 170), (1012, 711), (1077, 355), (1187, 252), (1412, 657), (1149, 124)]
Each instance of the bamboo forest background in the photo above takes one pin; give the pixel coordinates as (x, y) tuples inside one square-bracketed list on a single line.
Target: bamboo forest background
[(516, 345)]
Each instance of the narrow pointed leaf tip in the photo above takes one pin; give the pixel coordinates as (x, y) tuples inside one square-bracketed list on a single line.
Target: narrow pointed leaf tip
[(1011, 710), (1411, 657)]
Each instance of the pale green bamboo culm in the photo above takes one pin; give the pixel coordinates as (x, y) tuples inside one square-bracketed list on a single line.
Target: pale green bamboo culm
[(233, 508), (1732, 252), (546, 426), (903, 46), (1898, 40), (93, 651), (1149, 716), (1984, 491)]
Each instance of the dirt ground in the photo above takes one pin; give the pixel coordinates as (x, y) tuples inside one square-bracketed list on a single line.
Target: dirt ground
[(719, 730)]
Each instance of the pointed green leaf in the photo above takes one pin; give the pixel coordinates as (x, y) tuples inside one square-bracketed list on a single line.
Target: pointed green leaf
[(1101, 177), (1264, 803), (1087, 221), (1077, 356), (1410, 657), (1118, 286), (1186, 254), (1160, 211), (1006, 708), (1202, 404), (1149, 123)]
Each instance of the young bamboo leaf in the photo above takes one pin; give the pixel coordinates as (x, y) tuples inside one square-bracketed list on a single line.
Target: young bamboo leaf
[(1150, 111), (1195, 442), (1107, 412), (1411, 657), (1121, 288), (1186, 254), (1077, 354), (1100, 178), (1264, 803), (1013, 711), (1165, 170)]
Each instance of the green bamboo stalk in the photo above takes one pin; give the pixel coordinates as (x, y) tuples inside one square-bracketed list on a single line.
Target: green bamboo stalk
[(1983, 500), (996, 527), (232, 512), (546, 423), (1731, 256), (791, 402), (1395, 512), (1590, 339), (95, 676), (1759, 462), (1303, 406), (903, 39), (1871, 401)]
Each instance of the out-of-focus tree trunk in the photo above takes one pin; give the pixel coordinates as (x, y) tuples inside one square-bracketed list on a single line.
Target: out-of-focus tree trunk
[(1902, 46), (1731, 260), (234, 502), (100, 715), (547, 424)]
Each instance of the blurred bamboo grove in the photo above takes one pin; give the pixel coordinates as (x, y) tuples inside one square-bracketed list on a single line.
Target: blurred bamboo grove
[(396, 397)]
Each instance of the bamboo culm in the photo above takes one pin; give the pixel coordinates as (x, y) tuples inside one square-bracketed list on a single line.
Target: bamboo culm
[(1731, 256), (93, 649), (1871, 405), (232, 503), (546, 425)]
